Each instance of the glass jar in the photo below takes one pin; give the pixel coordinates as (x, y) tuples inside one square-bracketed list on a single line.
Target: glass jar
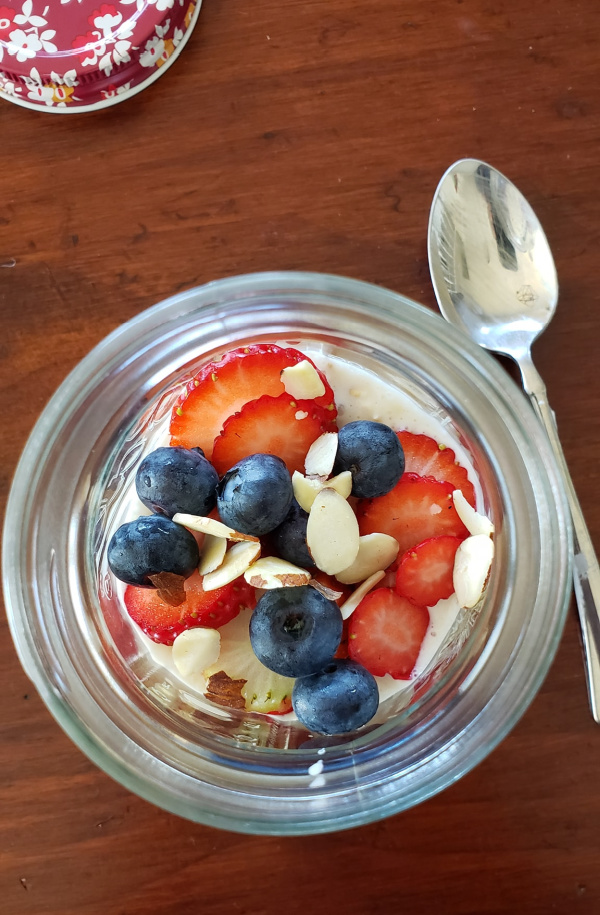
[(225, 767)]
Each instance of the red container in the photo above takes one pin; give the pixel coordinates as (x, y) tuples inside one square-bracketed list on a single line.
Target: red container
[(81, 55)]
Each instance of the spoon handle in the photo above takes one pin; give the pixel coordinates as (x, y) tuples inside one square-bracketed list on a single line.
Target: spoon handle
[(586, 572)]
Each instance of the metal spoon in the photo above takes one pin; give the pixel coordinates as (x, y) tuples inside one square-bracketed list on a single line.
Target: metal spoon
[(494, 277)]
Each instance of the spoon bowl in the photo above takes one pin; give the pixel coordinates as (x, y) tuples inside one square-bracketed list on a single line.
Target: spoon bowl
[(494, 278)]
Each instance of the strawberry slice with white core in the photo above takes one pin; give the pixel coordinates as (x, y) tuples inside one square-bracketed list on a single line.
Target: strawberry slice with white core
[(385, 634), (264, 690), (427, 458), (223, 387), (271, 425), (416, 509)]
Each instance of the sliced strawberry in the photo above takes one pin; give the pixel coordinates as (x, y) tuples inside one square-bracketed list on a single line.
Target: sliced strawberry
[(342, 649), (425, 572), (425, 457), (271, 425), (222, 388), (416, 509), (163, 623), (386, 633), (263, 690)]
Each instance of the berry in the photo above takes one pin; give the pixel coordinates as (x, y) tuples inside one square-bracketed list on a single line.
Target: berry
[(264, 690), (425, 457), (150, 545), (171, 480), (163, 623), (289, 539), (295, 631), (373, 454), (222, 388), (337, 699), (414, 510), (424, 575), (386, 633), (255, 495), (273, 425)]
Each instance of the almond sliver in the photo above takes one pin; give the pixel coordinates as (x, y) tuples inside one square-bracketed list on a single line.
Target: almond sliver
[(332, 535), (350, 605), (212, 553), (320, 457), (302, 381), (238, 558), (375, 552), (211, 526), (471, 568), (472, 520), (272, 572)]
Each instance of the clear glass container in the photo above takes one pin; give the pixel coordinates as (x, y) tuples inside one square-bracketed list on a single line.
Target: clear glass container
[(238, 770)]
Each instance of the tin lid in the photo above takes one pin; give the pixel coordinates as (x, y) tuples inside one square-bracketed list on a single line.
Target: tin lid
[(78, 55)]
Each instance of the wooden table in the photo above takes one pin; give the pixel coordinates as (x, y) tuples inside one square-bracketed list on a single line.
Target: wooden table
[(306, 135)]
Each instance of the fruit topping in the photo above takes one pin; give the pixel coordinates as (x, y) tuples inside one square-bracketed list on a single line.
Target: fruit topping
[(424, 575), (373, 454), (222, 388), (375, 553), (163, 623), (332, 532), (471, 568), (260, 689), (295, 631), (279, 426), (386, 632), (255, 495), (425, 457), (341, 697), (171, 480), (416, 509), (149, 545), (289, 539)]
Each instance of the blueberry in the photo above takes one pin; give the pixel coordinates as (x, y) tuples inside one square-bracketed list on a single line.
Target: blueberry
[(149, 545), (255, 495), (171, 480), (295, 631), (337, 699), (289, 539), (373, 454)]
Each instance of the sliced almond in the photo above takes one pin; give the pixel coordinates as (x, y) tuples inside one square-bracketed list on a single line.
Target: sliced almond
[(329, 593), (471, 568), (193, 651), (222, 690), (212, 553), (271, 572), (332, 535), (320, 457), (238, 558), (170, 587), (211, 526), (302, 381), (342, 483), (305, 490), (375, 552), (472, 520), (350, 605)]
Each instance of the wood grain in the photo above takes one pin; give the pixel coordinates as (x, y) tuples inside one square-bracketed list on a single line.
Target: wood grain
[(306, 135)]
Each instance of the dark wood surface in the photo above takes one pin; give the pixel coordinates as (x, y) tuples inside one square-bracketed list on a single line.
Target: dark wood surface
[(306, 135)]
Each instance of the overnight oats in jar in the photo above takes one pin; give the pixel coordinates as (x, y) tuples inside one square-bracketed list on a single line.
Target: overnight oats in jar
[(165, 687), (286, 469)]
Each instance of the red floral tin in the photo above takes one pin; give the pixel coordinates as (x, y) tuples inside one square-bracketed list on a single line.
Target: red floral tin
[(81, 55)]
